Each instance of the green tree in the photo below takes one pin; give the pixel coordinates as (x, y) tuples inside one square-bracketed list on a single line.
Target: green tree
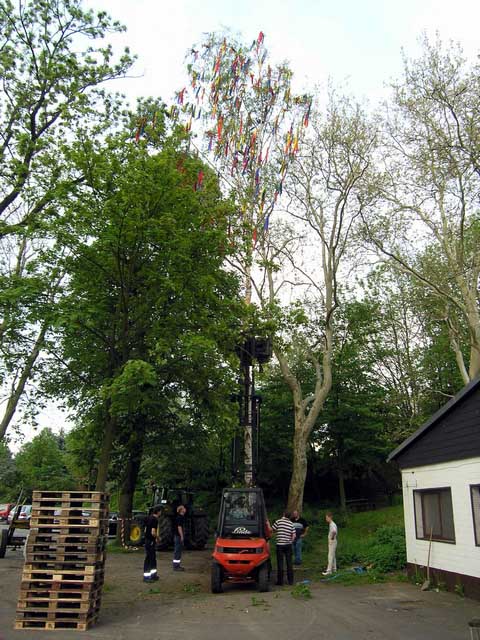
[(147, 296), (430, 189), (354, 434), (54, 62), (8, 474), (41, 464), (329, 188)]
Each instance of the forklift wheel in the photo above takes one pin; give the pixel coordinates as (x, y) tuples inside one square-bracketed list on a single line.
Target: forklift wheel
[(263, 579), (3, 542), (217, 578)]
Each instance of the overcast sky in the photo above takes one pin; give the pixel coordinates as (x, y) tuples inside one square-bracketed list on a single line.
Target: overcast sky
[(358, 41), (353, 42)]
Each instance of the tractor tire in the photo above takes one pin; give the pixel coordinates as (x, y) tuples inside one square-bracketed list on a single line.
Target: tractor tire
[(217, 578), (136, 535), (164, 531), (3, 542), (200, 532), (263, 581)]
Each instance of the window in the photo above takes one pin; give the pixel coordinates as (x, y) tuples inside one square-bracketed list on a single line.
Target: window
[(434, 515), (475, 495), (240, 505)]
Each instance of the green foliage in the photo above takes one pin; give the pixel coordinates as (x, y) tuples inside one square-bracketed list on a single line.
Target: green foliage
[(54, 62), (387, 550), (128, 391), (9, 481), (301, 591), (41, 464), (148, 296), (374, 539)]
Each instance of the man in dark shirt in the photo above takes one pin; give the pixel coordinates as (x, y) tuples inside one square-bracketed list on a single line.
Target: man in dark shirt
[(301, 528), (150, 564), (178, 537)]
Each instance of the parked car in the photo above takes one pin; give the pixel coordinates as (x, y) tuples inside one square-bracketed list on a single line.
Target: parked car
[(25, 513), (5, 509)]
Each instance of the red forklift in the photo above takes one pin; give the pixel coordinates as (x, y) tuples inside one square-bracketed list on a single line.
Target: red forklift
[(242, 550)]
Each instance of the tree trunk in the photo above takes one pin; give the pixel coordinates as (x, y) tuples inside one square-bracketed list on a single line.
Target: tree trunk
[(129, 482), (19, 387), (106, 450), (474, 368), (299, 468)]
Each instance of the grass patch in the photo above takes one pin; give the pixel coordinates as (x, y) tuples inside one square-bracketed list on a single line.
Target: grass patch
[(259, 602), (373, 539), (191, 587), (301, 591)]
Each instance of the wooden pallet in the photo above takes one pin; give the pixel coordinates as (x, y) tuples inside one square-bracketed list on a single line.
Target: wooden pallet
[(69, 585), (63, 537), (71, 594), (43, 511), (38, 605), (49, 625), (92, 496), (56, 565), (71, 524), (52, 546), (56, 616), (64, 559), (63, 576)]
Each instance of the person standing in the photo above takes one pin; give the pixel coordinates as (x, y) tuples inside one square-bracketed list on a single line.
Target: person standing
[(301, 527), (332, 544), (178, 537), (151, 528), (285, 534)]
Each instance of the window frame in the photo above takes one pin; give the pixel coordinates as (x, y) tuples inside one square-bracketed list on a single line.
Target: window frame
[(476, 532), (434, 490)]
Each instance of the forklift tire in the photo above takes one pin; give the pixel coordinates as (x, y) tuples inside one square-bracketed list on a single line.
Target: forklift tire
[(200, 538), (217, 578), (164, 531), (3, 542), (263, 581)]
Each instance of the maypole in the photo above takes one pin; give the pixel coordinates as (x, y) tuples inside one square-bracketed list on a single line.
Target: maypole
[(249, 124)]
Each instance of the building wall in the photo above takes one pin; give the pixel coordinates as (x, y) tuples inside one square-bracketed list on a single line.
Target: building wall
[(463, 557)]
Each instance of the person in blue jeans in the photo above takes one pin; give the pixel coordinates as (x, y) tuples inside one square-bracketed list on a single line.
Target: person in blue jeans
[(178, 537), (301, 528)]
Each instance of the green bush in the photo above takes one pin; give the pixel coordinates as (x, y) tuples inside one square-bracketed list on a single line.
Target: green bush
[(387, 550)]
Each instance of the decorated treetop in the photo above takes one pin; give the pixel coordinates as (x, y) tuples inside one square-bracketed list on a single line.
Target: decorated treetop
[(251, 121)]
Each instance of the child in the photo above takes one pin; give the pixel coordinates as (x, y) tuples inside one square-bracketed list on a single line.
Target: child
[(332, 544)]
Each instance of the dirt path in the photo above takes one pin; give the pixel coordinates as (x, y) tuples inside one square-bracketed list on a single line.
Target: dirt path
[(181, 604)]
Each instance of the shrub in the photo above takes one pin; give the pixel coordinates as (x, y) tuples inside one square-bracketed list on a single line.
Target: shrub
[(387, 550)]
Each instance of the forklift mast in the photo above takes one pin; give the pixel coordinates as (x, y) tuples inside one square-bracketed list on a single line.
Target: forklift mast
[(246, 439)]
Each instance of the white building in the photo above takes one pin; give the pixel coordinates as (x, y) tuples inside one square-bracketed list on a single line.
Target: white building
[(440, 465)]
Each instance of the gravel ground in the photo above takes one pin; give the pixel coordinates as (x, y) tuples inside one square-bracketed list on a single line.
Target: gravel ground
[(180, 604)]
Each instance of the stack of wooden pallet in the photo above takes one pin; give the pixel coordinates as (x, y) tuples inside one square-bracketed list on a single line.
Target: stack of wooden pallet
[(65, 558)]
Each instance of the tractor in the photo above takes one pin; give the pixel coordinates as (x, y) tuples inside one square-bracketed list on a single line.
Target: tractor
[(196, 520)]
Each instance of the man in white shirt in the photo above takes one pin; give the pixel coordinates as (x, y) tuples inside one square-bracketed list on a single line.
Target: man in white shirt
[(332, 544)]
